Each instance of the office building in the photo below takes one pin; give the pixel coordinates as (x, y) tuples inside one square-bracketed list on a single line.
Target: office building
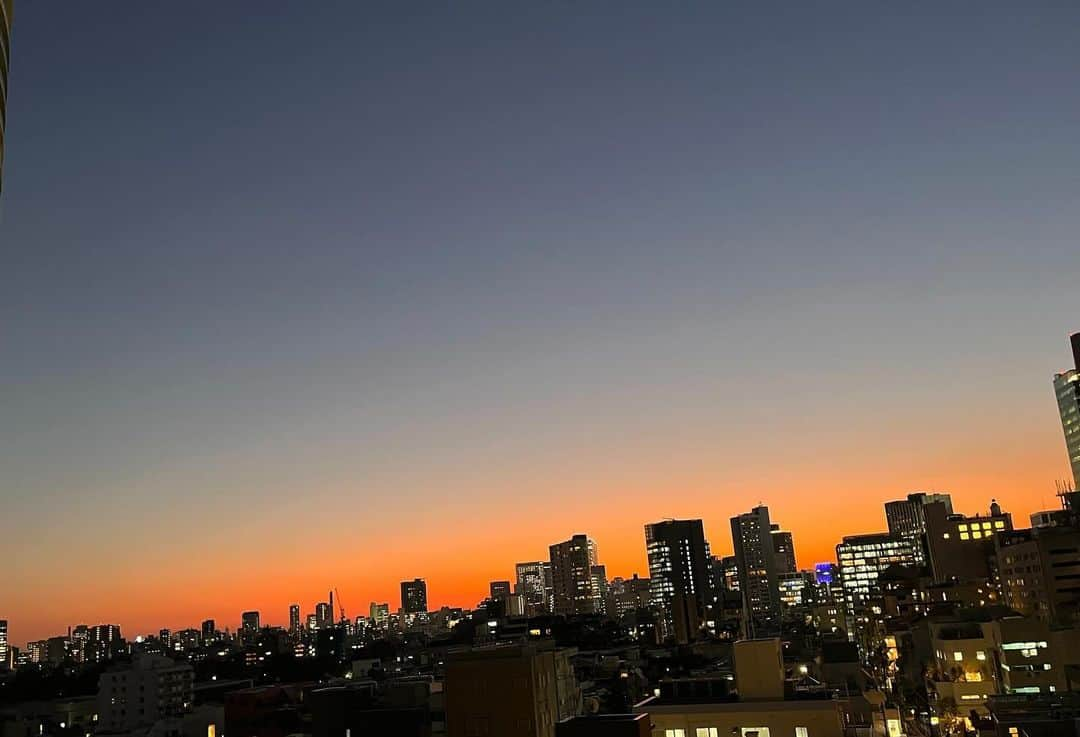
[(520, 690), (5, 650), (324, 616), (1067, 391), (295, 626), (379, 614), (7, 15), (862, 559), (103, 642), (153, 687), (499, 590), (961, 547), (679, 577), (414, 597), (209, 630), (907, 518), (531, 585), (784, 549), (751, 535), (1039, 568), (249, 626), (572, 564)]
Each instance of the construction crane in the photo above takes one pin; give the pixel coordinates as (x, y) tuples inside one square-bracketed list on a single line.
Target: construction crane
[(341, 606)]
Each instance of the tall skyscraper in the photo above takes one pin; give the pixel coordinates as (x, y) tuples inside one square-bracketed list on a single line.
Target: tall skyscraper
[(209, 630), (784, 548), (571, 575), (531, 586), (907, 518), (324, 617), (751, 535), (249, 626), (414, 596), (679, 563), (1067, 389), (294, 619), (862, 559), (7, 14), (5, 657)]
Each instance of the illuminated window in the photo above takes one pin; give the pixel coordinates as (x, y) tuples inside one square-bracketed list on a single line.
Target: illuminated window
[(706, 732), (674, 733), (980, 655), (965, 536), (802, 732), (957, 656)]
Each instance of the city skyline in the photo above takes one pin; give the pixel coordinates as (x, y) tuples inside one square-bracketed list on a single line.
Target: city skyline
[(444, 287)]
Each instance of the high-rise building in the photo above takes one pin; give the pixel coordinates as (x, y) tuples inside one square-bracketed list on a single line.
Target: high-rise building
[(1067, 390), (862, 559), (499, 590), (249, 626), (907, 518), (209, 630), (104, 642), (379, 614), (414, 596), (5, 651), (751, 535), (598, 574), (784, 548), (572, 577), (679, 567), (294, 619), (628, 595), (531, 586), (7, 15), (324, 616)]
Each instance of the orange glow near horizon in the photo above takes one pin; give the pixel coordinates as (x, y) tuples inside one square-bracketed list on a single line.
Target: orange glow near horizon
[(459, 549)]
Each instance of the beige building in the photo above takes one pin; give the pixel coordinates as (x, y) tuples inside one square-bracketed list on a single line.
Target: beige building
[(154, 687), (760, 708), (521, 690)]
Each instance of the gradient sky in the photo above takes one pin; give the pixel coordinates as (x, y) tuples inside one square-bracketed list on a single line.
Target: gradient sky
[(337, 293)]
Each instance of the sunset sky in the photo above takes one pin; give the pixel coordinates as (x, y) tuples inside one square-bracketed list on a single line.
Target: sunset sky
[(301, 295)]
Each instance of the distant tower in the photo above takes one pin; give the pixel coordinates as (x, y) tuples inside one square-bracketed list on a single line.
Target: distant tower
[(1067, 390)]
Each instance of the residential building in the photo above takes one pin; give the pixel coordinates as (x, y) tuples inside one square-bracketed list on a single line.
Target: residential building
[(679, 575), (751, 535), (962, 547), (151, 688), (572, 564), (414, 597), (521, 690), (757, 707), (295, 625)]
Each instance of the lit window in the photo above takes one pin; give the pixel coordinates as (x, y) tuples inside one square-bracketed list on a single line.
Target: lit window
[(802, 732), (958, 656), (965, 536), (706, 732), (980, 655), (674, 733)]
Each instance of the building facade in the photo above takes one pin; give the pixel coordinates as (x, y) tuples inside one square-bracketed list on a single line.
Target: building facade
[(679, 575), (572, 564), (1067, 391), (414, 596), (755, 558)]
